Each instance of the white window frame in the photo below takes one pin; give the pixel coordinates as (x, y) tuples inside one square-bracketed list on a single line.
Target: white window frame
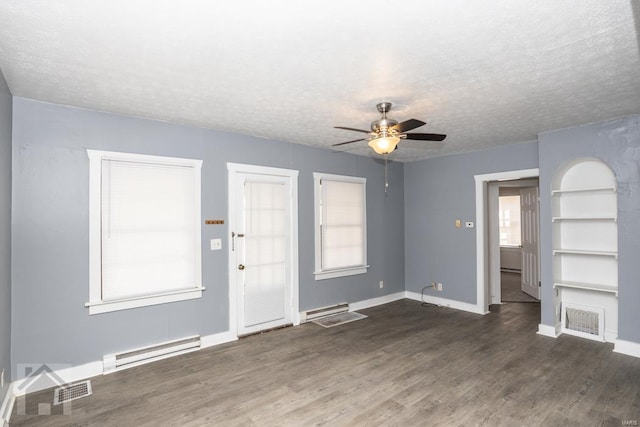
[(320, 273), (96, 305)]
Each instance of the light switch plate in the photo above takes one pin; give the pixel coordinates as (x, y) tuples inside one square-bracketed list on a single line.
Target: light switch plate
[(216, 244)]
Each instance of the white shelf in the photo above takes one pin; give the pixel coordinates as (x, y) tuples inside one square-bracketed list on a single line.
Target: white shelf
[(584, 218), (588, 286), (584, 190), (585, 252)]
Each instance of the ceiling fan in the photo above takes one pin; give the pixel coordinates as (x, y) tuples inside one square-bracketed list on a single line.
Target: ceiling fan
[(385, 134)]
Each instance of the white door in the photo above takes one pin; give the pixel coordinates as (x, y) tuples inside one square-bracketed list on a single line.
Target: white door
[(529, 222), (262, 251)]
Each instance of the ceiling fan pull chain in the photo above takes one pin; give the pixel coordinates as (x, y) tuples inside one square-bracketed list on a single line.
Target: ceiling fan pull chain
[(386, 182)]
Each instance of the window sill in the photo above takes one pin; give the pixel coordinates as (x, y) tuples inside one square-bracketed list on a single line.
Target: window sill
[(332, 274), (97, 307)]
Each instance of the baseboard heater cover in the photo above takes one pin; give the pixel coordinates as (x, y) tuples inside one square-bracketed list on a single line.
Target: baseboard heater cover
[(131, 358), (317, 313)]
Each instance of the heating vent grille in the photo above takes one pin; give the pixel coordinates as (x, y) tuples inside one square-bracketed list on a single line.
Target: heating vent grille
[(325, 311), (586, 322), (582, 321), (71, 392)]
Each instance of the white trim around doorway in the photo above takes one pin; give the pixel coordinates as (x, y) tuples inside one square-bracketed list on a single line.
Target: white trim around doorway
[(482, 283), (232, 169)]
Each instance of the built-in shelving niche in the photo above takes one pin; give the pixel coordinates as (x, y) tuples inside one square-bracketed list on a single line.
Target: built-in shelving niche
[(585, 249)]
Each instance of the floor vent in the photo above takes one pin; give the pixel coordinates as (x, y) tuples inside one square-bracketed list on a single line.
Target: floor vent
[(72, 392), (324, 311), (585, 322), (131, 358)]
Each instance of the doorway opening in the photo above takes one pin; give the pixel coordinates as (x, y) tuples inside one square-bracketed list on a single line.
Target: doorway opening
[(514, 228), (488, 236)]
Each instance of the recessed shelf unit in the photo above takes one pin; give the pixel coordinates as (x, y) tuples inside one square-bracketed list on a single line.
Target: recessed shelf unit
[(585, 240)]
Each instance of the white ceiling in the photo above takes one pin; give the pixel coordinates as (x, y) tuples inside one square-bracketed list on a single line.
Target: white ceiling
[(486, 73)]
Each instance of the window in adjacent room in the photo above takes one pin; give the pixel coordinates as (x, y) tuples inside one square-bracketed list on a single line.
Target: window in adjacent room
[(340, 226), (509, 218), (144, 230)]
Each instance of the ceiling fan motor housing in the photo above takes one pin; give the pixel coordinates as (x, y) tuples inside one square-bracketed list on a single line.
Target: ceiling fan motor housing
[(383, 124)]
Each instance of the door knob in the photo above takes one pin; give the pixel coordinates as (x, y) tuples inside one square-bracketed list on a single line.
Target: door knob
[(240, 266)]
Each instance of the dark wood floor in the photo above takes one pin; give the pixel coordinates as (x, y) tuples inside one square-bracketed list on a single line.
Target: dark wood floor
[(404, 365), (511, 288)]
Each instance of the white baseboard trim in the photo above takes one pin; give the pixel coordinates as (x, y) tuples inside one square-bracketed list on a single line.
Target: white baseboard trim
[(385, 299), (548, 331), (217, 339), (82, 372), (458, 305), (7, 406), (629, 348)]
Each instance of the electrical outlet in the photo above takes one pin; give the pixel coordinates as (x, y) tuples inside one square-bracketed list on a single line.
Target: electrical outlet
[(381, 284), (216, 244), (439, 286)]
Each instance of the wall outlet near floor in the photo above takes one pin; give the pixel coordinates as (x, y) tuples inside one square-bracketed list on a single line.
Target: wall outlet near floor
[(439, 286), (381, 284)]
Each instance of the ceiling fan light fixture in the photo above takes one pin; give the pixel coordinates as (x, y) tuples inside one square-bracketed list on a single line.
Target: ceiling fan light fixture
[(384, 144)]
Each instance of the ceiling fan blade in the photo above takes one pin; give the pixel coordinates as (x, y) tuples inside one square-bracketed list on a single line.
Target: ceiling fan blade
[(353, 129), (426, 136), (348, 142), (408, 125)]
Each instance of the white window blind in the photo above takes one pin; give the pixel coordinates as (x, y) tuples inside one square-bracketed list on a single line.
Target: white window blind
[(341, 226), (148, 231)]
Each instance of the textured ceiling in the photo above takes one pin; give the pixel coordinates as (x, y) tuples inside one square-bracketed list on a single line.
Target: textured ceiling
[(486, 73)]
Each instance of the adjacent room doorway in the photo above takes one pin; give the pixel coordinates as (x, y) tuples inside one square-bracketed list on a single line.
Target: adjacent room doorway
[(513, 234), (487, 243), (263, 255)]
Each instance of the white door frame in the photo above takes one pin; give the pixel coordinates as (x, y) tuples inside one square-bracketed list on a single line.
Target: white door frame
[(482, 279), (234, 168)]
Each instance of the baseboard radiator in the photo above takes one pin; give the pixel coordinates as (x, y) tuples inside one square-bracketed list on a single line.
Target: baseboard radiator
[(317, 313), (140, 356), (582, 321)]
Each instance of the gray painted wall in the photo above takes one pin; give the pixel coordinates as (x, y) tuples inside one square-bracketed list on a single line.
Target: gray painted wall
[(5, 231), (439, 191), (617, 143), (50, 231)]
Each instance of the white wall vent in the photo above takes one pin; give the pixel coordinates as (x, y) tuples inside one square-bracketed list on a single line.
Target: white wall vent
[(582, 321), (131, 358), (317, 313)]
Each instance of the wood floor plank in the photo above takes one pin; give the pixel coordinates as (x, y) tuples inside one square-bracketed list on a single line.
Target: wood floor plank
[(404, 365)]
